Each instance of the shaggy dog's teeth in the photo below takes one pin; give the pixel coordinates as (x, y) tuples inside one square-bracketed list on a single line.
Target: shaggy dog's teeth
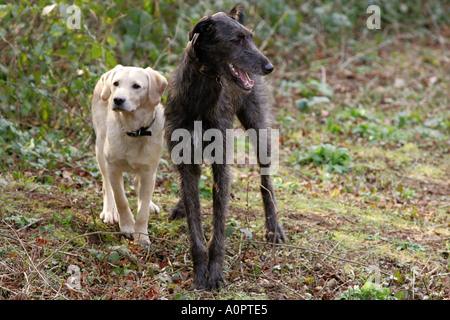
[(236, 73)]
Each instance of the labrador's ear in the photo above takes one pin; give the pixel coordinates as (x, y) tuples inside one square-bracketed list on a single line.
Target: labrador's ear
[(106, 82), (156, 85), (237, 13)]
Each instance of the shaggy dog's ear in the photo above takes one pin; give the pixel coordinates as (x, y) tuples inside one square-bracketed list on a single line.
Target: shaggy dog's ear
[(237, 13), (204, 26), (106, 82)]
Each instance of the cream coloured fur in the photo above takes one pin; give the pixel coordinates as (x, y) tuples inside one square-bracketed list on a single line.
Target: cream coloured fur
[(138, 92)]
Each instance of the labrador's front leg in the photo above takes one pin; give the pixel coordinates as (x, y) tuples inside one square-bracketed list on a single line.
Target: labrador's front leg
[(109, 213), (146, 186), (126, 219)]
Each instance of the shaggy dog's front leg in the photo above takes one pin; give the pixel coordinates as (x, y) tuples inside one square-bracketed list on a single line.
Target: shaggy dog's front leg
[(221, 195), (189, 178)]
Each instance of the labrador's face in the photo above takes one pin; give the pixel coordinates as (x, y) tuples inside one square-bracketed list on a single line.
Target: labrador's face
[(128, 88)]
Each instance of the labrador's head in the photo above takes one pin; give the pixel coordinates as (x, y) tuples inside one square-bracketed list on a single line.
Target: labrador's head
[(127, 88)]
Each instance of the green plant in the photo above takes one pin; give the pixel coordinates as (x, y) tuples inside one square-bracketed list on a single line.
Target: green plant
[(404, 119), (333, 127), (369, 291), (289, 186), (21, 221), (373, 131), (305, 104), (410, 246), (204, 187), (63, 220), (233, 225), (406, 193), (327, 155)]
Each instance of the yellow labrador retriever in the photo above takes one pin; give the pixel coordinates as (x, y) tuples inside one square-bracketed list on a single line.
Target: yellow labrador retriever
[(128, 121)]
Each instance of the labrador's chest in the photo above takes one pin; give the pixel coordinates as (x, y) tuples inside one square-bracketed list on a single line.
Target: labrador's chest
[(130, 153)]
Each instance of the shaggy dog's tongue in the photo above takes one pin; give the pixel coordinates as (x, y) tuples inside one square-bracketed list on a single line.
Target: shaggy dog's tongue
[(245, 79), (242, 75)]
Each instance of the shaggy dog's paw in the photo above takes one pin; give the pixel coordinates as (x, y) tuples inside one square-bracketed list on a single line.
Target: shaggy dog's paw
[(276, 237), (178, 212)]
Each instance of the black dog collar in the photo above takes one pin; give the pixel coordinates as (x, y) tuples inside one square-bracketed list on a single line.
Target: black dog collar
[(141, 132)]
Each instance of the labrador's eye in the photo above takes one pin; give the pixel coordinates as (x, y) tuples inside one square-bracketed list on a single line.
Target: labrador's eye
[(116, 84), (136, 86)]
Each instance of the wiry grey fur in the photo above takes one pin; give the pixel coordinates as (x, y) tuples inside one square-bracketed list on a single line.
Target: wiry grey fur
[(203, 89)]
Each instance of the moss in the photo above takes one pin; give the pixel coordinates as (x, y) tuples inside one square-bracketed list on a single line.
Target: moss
[(426, 172)]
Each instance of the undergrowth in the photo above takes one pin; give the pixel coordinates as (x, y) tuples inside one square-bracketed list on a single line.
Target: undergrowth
[(362, 188)]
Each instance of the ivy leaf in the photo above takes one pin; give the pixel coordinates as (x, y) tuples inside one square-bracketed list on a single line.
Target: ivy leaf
[(229, 231), (247, 232)]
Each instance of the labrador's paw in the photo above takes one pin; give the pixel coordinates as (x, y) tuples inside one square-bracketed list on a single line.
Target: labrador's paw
[(154, 208), (110, 217), (142, 239)]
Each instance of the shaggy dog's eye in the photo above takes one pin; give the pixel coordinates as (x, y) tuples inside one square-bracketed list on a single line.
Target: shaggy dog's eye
[(136, 86), (239, 39), (116, 84)]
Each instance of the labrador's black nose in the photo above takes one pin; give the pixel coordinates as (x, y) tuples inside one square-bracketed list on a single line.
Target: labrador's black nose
[(268, 68), (119, 100)]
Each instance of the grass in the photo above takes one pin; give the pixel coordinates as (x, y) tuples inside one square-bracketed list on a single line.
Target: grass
[(376, 228)]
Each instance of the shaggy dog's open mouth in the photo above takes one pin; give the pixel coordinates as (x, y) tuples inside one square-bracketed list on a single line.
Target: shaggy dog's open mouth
[(243, 80)]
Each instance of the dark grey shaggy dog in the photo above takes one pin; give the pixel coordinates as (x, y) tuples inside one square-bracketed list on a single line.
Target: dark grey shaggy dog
[(219, 76)]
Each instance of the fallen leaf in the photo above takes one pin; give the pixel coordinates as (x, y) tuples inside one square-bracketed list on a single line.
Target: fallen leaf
[(47, 9)]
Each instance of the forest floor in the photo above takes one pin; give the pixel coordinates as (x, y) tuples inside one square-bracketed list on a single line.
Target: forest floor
[(366, 212)]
